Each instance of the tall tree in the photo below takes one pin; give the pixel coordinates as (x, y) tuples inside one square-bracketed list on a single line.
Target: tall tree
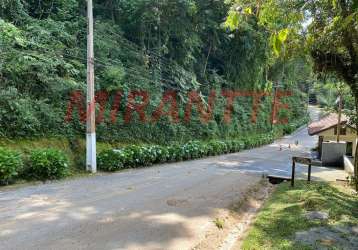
[(333, 43)]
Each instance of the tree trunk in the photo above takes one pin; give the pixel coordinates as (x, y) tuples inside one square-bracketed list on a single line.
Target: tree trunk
[(356, 153)]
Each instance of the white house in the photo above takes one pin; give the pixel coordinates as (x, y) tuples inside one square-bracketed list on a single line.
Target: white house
[(326, 130)]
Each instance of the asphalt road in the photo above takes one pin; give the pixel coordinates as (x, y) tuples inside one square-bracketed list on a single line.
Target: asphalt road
[(163, 207)]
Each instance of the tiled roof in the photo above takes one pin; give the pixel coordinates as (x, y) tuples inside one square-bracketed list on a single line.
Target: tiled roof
[(325, 123)]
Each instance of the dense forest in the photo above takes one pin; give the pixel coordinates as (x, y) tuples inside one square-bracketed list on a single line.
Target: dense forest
[(150, 45)]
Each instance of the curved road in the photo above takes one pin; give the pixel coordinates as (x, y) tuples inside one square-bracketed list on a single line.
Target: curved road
[(170, 206)]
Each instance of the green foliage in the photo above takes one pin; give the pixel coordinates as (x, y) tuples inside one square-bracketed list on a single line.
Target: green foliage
[(132, 156), (293, 126), (141, 156), (278, 41), (10, 165), (111, 160), (13, 10), (232, 21), (10, 35), (47, 164), (332, 39), (23, 116), (139, 44), (17, 113)]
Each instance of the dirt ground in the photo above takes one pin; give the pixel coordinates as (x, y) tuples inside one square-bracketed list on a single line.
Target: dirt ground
[(236, 220)]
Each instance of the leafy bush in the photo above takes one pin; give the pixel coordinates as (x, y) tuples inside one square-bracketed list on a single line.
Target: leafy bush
[(10, 165), (111, 160), (175, 153), (191, 150), (48, 164), (17, 114), (139, 156), (218, 147), (161, 154), (132, 156)]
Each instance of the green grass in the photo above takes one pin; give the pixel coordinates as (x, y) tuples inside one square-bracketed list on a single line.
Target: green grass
[(283, 214)]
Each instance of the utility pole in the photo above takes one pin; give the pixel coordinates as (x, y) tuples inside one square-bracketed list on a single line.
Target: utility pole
[(274, 110), (91, 164), (273, 114)]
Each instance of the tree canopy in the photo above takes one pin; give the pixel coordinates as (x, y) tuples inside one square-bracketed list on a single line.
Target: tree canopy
[(151, 45)]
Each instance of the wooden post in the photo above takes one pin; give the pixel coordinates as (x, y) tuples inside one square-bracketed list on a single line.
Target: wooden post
[(339, 118), (304, 161), (293, 173)]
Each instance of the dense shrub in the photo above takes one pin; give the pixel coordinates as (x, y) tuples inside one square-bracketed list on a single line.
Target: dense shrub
[(143, 155), (18, 114), (47, 164), (139, 156), (111, 160), (43, 65), (10, 165), (161, 154)]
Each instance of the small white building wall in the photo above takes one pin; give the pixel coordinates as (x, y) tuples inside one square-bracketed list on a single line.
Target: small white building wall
[(328, 135)]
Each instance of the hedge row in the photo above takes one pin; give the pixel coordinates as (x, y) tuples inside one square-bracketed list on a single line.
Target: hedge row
[(140, 156), (41, 164), (49, 164)]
